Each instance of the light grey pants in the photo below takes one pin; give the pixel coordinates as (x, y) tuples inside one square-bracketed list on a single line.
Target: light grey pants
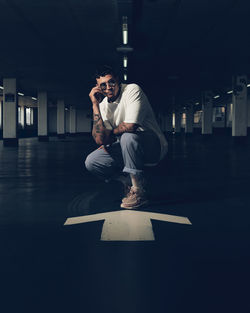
[(128, 154)]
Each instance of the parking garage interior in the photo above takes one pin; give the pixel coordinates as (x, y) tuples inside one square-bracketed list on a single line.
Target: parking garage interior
[(66, 245)]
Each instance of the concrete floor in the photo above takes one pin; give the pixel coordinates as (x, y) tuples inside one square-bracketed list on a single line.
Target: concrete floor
[(48, 267)]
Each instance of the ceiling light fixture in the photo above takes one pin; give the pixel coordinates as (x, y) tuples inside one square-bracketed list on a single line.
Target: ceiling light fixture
[(1, 87), (125, 76), (125, 61), (230, 91), (197, 103), (125, 30), (20, 94), (248, 85), (33, 98), (215, 97)]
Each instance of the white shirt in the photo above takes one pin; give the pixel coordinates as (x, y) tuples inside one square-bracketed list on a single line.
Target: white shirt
[(132, 106)]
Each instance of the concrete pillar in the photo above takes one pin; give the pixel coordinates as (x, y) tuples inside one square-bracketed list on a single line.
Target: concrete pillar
[(9, 112), (42, 116), (72, 120), (229, 114), (31, 116), (22, 116), (189, 119), (207, 113), (239, 118), (178, 116), (60, 119)]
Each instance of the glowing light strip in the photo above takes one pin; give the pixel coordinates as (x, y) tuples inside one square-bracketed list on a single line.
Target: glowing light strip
[(125, 61), (125, 30)]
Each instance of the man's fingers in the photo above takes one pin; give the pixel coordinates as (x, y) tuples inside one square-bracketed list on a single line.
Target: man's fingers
[(103, 147)]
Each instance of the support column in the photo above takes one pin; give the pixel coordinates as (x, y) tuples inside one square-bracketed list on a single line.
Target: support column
[(42, 116), (178, 116), (207, 113), (72, 121), (31, 116), (23, 116), (60, 119), (229, 114), (239, 117), (9, 112), (189, 119)]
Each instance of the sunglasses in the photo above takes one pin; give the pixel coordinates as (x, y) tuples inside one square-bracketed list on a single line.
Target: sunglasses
[(111, 83)]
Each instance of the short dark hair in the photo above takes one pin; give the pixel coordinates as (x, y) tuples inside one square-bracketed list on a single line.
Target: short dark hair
[(105, 70)]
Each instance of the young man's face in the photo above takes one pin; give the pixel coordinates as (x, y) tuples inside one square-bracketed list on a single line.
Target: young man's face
[(109, 85)]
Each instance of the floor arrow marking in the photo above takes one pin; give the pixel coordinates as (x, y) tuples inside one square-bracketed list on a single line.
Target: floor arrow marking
[(127, 225)]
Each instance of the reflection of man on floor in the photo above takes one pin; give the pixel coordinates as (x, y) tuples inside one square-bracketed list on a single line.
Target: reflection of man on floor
[(125, 127)]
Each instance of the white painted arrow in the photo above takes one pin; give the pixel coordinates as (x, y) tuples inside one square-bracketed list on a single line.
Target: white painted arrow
[(127, 225)]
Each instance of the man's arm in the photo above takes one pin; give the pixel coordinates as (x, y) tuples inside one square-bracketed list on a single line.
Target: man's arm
[(100, 133), (125, 128)]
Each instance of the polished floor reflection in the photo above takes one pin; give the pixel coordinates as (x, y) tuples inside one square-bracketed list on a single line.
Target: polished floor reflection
[(48, 267)]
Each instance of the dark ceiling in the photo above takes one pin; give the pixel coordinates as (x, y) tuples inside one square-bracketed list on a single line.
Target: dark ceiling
[(181, 47)]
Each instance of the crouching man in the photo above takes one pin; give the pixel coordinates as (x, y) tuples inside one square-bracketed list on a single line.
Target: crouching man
[(125, 128)]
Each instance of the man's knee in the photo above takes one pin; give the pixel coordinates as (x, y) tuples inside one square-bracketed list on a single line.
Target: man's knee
[(128, 139), (89, 163)]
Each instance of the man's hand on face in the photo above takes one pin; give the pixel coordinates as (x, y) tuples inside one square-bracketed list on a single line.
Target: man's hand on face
[(95, 91)]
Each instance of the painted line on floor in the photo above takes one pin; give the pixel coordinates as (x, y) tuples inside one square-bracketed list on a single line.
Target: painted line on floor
[(127, 225)]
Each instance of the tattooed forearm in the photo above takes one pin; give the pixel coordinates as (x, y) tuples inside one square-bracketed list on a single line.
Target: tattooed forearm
[(96, 118), (100, 133), (97, 126), (125, 128)]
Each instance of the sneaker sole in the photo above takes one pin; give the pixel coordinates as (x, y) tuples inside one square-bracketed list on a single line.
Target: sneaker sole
[(124, 206)]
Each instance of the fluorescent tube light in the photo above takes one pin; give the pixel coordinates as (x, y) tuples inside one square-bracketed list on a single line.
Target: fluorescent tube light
[(1, 87), (20, 94), (125, 61), (248, 85), (197, 103), (230, 91), (125, 30), (215, 97), (125, 76), (33, 98)]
